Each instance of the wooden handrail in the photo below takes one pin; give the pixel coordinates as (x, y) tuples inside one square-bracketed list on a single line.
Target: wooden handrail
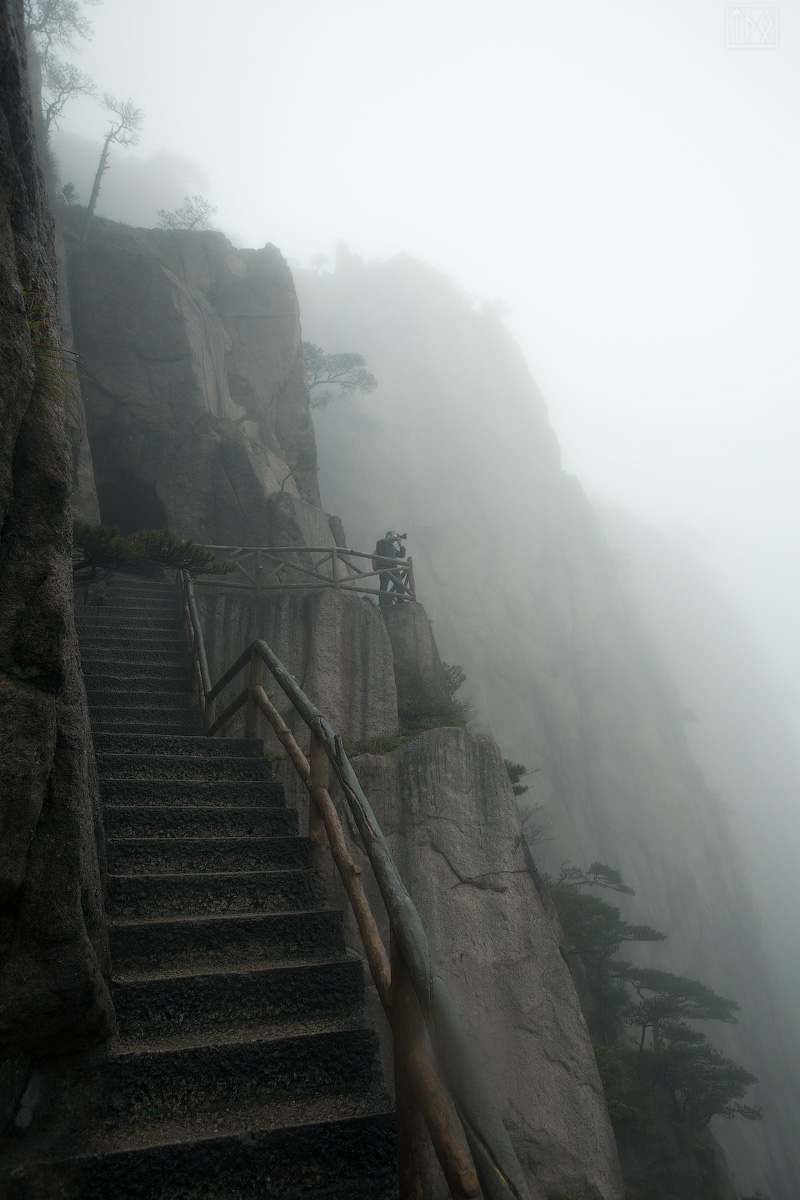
[(450, 1092), (350, 579)]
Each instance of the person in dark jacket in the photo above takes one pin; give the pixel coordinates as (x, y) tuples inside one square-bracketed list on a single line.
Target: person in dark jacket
[(388, 550)]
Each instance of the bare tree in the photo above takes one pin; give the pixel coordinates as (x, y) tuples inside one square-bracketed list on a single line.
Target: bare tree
[(52, 23), (61, 82), (194, 213), (123, 131)]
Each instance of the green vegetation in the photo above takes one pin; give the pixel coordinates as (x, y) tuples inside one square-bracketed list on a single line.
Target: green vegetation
[(454, 676), (99, 550), (653, 1063), (515, 773), (55, 367)]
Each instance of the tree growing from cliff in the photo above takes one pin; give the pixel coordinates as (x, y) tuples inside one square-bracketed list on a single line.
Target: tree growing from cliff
[(124, 130), (336, 374), (50, 23), (61, 82), (671, 1061), (195, 213)]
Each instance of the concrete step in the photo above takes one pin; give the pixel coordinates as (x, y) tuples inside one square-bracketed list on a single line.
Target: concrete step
[(168, 821), (167, 856), (230, 942), (198, 745), (204, 894), (156, 767), (198, 793), (306, 1151), (173, 1005)]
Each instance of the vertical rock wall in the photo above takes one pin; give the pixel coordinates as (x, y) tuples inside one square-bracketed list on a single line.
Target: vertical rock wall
[(512, 567), (53, 950), (194, 384)]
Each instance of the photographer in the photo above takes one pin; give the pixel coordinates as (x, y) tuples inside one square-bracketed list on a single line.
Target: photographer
[(388, 550)]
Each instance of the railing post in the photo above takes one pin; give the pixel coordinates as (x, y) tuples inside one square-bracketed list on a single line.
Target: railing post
[(256, 678), (411, 586), (320, 767), (335, 567), (413, 1157), (258, 570)]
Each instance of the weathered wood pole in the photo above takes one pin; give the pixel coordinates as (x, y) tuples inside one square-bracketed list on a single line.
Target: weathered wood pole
[(255, 680), (413, 1157), (320, 768)]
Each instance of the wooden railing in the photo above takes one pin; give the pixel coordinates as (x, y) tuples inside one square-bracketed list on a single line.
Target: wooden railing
[(439, 1087), (281, 568)]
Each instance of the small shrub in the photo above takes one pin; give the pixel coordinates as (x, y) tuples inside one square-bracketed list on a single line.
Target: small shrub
[(515, 773), (424, 711)]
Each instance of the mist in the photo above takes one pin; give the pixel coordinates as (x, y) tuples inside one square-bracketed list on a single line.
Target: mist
[(603, 197)]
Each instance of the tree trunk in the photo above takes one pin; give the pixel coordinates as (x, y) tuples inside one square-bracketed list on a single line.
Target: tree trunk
[(101, 167)]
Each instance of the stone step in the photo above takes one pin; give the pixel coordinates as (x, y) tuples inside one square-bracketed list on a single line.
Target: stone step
[(307, 1151), (129, 696), (172, 1005), (119, 672), (239, 793), (156, 767), (173, 730), (189, 894), (108, 622), (124, 644), (176, 656), (166, 856), (197, 745), (232, 941), (189, 1085), (169, 821)]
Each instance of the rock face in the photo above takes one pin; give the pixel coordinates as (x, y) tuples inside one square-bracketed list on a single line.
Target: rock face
[(195, 388), (446, 808), (513, 569), (53, 949), (334, 644)]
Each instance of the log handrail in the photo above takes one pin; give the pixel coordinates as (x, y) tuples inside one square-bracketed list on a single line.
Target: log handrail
[(446, 1086), (269, 561)]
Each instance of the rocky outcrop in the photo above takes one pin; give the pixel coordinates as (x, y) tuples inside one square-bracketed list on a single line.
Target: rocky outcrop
[(513, 569), (53, 949), (418, 668), (334, 644), (194, 385), (445, 805)]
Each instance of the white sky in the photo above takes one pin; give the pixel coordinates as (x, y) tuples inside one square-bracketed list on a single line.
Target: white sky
[(623, 179)]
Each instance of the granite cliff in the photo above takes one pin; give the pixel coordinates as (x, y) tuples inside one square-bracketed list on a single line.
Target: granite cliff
[(522, 590), (195, 391), (54, 960)]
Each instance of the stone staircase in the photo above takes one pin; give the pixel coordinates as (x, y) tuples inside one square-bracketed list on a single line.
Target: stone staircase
[(243, 1065)]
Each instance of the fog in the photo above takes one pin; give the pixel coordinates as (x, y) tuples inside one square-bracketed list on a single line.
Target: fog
[(620, 177), (619, 183)]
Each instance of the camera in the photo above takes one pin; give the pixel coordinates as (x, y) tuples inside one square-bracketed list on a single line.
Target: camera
[(401, 537)]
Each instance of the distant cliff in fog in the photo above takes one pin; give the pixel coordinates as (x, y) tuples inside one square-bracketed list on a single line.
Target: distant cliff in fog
[(516, 574)]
